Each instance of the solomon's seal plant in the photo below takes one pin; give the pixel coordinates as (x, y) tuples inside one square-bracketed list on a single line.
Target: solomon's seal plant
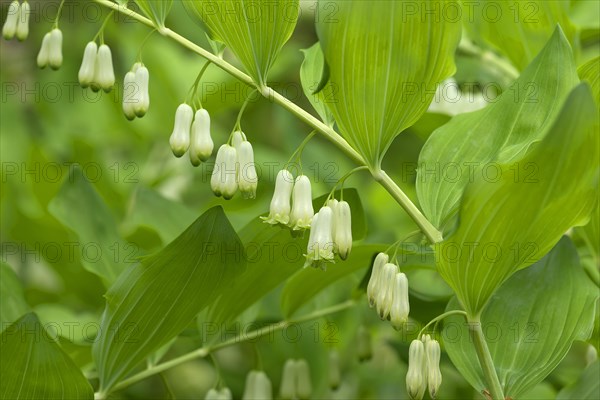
[(418, 217)]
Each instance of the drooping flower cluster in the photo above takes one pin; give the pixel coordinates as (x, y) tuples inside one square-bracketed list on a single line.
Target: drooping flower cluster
[(292, 201), (330, 234), (234, 168), (258, 386), (387, 291), (51, 50), (295, 380), (96, 69), (423, 368), (223, 394), (17, 21), (136, 96), (192, 132)]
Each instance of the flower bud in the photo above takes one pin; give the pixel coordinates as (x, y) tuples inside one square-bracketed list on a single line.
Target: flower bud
[(374, 286), (180, 138), (416, 379), (201, 144), (302, 208), (44, 54), (258, 387), (23, 22), (224, 177), (387, 283), (12, 19), (279, 212), (303, 380), (434, 375), (287, 389), (225, 394), (104, 74), (88, 65), (142, 79), (343, 229), (129, 95), (335, 375), (247, 178), (400, 305), (320, 244), (363, 344), (55, 57), (212, 394)]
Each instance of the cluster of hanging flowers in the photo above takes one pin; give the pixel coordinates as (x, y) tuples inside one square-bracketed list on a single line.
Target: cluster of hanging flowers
[(258, 386), (136, 97), (223, 394), (51, 50), (235, 169), (96, 69), (423, 368), (295, 380), (17, 21), (292, 202), (387, 291), (192, 132)]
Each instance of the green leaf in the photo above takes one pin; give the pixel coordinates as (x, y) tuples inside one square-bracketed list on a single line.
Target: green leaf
[(80, 208), (590, 72), (152, 302), (385, 63), (507, 224), (255, 30), (530, 323), (311, 72), (156, 10), (33, 366), (471, 144), (273, 256), (520, 29), (587, 386), (308, 282), (12, 299)]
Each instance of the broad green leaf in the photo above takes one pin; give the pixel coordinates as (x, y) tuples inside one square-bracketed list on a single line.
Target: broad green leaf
[(80, 208), (12, 299), (519, 29), (590, 72), (33, 366), (152, 302), (156, 10), (273, 256), (587, 386), (308, 282), (530, 323), (472, 144), (78, 328), (168, 218), (385, 61), (507, 224), (255, 30), (311, 72)]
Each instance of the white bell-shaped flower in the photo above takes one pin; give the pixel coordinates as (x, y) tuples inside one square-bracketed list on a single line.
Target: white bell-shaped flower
[(287, 388), (416, 378), (364, 347), (279, 212), (201, 143), (129, 95), (302, 208), (55, 57), (23, 23), (212, 394), (142, 80), (400, 305), (385, 292), (104, 73), (44, 53), (343, 229), (215, 179), (258, 386), (247, 177), (434, 374), (224, 177), (12, 20), (303, 380), (88, 65), (237, 138), (373, 286), (334, 372), (180, 137), (320, 242)]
